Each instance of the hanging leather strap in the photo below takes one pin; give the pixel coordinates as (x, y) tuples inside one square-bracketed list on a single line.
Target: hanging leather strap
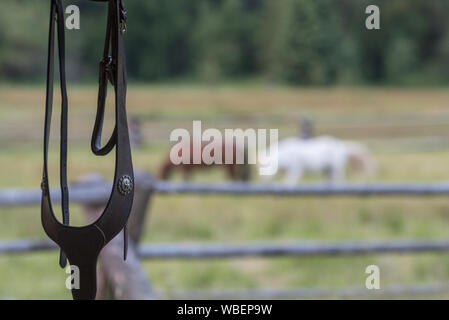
[(108, 68), (82, 245), (57, 20)]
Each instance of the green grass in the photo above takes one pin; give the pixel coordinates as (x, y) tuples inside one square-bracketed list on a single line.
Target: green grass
[(232, 219)]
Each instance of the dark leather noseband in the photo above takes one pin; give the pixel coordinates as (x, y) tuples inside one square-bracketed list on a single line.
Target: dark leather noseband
[(82, 245)]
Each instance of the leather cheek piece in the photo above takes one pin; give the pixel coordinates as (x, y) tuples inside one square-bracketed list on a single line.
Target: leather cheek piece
[(91, 240), (82, 245)]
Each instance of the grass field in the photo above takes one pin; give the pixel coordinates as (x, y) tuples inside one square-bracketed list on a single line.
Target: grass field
[(400, 147)]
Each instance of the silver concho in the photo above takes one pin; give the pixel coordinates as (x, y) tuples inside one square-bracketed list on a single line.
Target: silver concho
[(125, 185), (44, 186)]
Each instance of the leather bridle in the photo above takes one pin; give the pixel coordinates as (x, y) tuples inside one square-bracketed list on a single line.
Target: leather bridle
[(82, 245)]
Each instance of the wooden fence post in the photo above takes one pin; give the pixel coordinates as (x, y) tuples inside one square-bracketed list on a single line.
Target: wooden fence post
[(119, 279)]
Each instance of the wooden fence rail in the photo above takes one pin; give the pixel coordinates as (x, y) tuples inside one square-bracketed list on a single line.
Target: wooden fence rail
[(97, 192), (198, 250)]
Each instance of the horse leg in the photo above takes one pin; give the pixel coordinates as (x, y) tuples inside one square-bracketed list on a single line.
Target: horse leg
[(187, 173), (267, 178), (232, 172), (337, 174), (293, 175), (327, 173)]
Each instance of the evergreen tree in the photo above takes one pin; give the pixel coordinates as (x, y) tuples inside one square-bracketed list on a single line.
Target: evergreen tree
[(307, 50)]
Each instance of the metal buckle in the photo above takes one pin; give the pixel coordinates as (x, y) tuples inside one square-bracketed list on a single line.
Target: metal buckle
[(107, 66), (123, 27), (44, 186), (123, 18)]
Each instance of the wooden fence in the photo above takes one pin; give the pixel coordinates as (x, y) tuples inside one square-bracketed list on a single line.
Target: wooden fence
[(127, 280)]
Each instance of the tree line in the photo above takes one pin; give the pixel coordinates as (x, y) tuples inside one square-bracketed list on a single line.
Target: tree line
[(298, 42)]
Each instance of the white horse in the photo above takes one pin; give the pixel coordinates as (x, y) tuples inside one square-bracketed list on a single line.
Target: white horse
[(324, 154)]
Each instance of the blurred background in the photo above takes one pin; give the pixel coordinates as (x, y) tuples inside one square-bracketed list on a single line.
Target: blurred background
[(242, 64)]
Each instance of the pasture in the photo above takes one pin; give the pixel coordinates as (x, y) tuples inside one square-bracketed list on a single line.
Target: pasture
[(406, 129)]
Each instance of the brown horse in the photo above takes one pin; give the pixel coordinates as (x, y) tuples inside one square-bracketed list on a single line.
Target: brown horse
[(236, 172)]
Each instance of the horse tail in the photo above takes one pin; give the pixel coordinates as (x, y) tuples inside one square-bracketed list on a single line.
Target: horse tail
[(360, 158), (166, 170)]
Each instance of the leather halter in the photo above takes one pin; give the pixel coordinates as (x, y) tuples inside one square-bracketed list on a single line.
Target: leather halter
[(82, 245)]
